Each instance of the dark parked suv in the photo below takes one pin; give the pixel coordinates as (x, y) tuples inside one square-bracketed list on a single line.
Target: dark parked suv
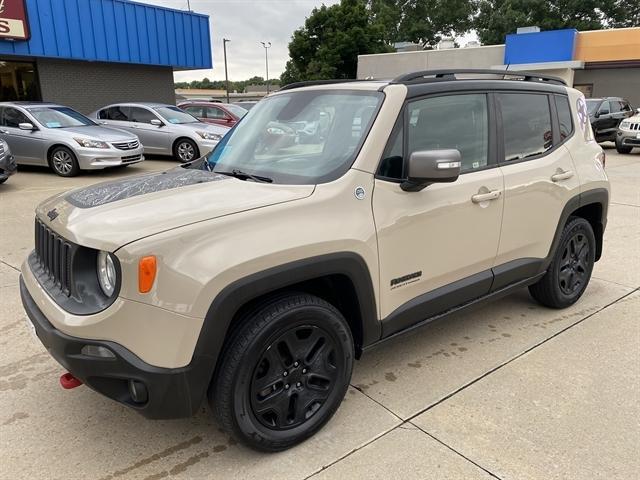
[(606, 114)]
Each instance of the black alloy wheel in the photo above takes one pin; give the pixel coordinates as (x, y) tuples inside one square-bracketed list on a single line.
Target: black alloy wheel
[(574, 269), (568, 274), (283, 372), (294, 377)]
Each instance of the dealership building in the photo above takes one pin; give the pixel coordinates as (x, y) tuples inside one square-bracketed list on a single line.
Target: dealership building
[(599, 63), (89, 53)]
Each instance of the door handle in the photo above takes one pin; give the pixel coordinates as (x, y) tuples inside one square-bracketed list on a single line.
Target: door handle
[(485, 197), (4, 132), (558, 177)]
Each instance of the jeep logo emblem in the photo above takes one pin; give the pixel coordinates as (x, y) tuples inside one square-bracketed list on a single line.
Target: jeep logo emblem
[(52, 214)]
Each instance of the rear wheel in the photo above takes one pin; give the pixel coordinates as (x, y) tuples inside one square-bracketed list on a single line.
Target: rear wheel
[(185, 150), (284, 372), (570, 270), (64, 162)]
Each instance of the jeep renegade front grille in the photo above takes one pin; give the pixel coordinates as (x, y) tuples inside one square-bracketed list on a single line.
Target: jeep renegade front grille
[(54, 255)]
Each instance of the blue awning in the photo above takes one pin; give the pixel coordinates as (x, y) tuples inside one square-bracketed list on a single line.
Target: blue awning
[(114, 31)]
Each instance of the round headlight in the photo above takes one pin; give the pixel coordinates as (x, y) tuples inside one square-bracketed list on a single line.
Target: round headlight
[(106, 273)]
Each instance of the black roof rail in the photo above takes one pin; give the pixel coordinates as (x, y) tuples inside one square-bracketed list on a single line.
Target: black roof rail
[(419, 77), (310, 83)]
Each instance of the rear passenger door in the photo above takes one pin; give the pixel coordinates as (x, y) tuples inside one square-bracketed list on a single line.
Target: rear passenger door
[(437, 246), (539, 179)]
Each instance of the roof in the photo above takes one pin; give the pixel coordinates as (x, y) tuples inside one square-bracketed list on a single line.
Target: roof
[(118, 31), (23, 103)]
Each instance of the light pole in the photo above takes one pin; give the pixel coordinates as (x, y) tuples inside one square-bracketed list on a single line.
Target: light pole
[(226, 75), (266, 46)]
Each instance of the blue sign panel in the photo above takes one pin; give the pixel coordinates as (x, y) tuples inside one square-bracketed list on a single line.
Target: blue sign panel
[(537, 47), (114, 31)]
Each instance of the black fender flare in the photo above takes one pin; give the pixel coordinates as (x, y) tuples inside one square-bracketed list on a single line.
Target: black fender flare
[(588, 197), (237, 294)]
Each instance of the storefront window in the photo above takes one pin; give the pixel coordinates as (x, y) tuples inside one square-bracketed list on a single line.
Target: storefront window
[(18, 81)]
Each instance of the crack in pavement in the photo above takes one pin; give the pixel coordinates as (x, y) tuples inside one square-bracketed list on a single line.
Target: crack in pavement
[(455, 392), (9, 265)]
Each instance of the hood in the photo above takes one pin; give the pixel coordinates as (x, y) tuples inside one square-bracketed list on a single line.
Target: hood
[(109, 215), (99, 133)]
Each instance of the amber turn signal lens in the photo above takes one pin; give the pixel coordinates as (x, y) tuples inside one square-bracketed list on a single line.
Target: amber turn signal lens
[(146, 273)]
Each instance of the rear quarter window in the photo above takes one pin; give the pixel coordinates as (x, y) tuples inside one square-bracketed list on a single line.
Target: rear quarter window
[(565, 119)]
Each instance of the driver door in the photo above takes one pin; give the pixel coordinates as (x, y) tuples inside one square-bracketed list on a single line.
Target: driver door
[(437, 246), (27, 146)]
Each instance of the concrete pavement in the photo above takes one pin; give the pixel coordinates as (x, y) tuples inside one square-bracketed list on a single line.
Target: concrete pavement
[(508, 390)]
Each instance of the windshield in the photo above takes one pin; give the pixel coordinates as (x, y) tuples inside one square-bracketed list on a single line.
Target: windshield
[(298, 137), (175, 115), (592, 105), (236, 110), (59, 117)]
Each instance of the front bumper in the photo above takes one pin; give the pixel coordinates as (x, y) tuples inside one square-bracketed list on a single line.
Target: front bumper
[(628, 138), (96, 158), (205, 146), (170, 393)]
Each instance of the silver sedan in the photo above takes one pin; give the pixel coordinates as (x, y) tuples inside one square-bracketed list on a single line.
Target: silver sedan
[(49, 134), (163, 129)]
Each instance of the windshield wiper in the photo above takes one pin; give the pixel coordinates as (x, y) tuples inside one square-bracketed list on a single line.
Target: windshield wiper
[(237, 173)]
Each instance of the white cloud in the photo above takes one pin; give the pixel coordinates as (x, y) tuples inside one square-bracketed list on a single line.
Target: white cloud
[(246, 23)]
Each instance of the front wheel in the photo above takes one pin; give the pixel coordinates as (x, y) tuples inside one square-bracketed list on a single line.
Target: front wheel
[(570, 270), (283, 373), (185, 150), (623, 149), (64, 162)]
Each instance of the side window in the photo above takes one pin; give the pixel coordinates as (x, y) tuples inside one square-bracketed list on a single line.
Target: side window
[(215, 112), (115, 113), (141, 115), (453, 121), (12, 117), (604, 109), (392, 163), (616, 106), (526, 124), (625, 107), (564, 116), (195, 110)]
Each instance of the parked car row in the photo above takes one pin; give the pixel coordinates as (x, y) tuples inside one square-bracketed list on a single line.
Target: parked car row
[(67, 141), (613, 120)]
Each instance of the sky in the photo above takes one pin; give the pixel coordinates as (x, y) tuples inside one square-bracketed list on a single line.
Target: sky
[(246, 23)]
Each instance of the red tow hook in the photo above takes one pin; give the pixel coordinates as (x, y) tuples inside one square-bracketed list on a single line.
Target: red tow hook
[(68, 381)]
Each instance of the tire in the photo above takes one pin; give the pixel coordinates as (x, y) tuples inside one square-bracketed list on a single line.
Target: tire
[(283, 372), (185, 150), (622, 149), (64, 162), (570, 270)]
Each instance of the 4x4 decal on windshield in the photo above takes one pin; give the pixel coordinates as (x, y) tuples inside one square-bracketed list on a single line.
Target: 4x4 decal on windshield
[(405, 280)]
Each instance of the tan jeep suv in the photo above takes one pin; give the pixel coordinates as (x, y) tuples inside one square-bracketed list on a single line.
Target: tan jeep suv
[(334, 216)]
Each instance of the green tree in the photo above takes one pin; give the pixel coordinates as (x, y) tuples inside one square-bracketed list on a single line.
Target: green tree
[(497, 18), (328, 44), (623, 13), (424, 22)]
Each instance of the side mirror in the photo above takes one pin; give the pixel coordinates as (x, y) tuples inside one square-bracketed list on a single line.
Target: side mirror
[(26, 126), (156, 122), (431, 166), (602, 112), (638, 110)]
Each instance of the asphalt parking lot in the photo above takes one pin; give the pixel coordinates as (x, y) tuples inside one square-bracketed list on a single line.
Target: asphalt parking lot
[(510, 390)]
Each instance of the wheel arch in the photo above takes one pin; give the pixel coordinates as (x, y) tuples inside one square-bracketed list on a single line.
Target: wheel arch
[(592, 205), (55, 145), (342, 279)]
